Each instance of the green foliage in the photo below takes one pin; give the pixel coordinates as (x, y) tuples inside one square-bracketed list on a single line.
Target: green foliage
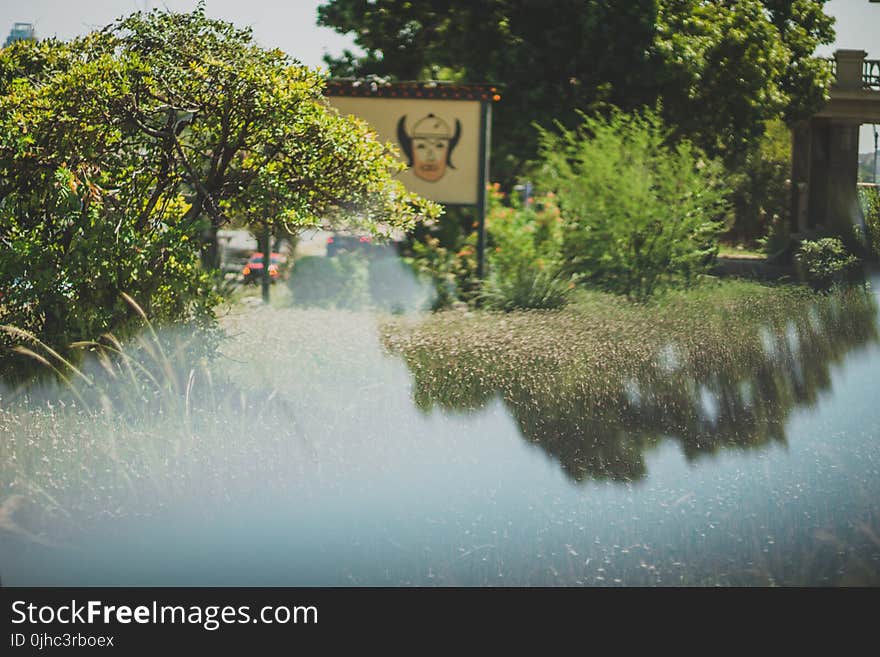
[(527, 289), (721, 69), (826, 262), (122, 152), (64, 264), (396, 286), (638, 213), (777, 239), (452, 271), (145, 375), (256, 137), (761, 194), (729, 67), (338, 282), (870, 199), (524, 255), (866, 168), (354, 281)]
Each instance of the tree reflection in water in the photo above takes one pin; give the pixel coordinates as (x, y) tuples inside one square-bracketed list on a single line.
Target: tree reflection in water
[(596, 392)]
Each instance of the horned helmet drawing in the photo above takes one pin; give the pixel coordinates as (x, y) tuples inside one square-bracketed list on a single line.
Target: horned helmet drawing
[(429, 147)]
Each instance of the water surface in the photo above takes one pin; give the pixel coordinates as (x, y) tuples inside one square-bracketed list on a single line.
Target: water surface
[(380, 460)]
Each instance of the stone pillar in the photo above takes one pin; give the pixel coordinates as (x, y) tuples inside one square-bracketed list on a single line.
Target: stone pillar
[(800, 176), (849, 68), (824, 163), (817, 179), (833, 203), (844, 209)]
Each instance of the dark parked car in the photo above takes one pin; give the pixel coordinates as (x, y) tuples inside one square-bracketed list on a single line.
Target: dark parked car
[(253, 270)]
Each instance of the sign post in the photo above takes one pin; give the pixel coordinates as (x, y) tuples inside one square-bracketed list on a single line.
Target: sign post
[(265, 279), (486, 126), (442, 131)]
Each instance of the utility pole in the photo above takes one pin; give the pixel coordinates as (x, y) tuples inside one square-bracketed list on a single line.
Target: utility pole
[(267, 262)]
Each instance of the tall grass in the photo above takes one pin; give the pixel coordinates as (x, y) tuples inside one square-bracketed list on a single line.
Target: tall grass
[(127, 428), (527, 288)]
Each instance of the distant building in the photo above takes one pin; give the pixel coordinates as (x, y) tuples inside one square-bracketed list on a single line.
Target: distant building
[(20, 32)]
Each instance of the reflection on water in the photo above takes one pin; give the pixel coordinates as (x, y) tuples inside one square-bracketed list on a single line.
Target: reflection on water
[(527, 449), (598, 417)]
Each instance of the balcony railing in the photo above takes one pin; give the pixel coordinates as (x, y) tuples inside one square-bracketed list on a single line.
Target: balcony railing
[(871, 74)]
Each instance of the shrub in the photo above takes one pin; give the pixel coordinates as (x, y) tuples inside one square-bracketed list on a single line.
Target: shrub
[(354, 280), (870, 198), (524, 255), (777, 239), (639, 212), (395, 285), (528, 287), (65, 264), (761, 192), (825, 262), (451, 271), (338, 282)]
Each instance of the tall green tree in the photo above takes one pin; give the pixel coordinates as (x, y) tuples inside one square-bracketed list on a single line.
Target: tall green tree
[(721, 69), (251, 121), (123, 152)]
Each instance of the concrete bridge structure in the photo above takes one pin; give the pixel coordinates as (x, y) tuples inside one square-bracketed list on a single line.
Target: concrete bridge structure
[(825, 149)]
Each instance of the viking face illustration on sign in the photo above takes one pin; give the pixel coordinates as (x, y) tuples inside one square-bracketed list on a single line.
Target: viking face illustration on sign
[(429, 148)]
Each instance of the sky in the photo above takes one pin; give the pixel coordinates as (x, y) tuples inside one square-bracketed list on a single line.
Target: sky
[(290, 24), (286, 24)]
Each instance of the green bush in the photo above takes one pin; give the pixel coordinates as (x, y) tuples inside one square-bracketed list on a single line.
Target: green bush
[(870, 198), (337, 282), (68, 255), (395, 285), (452, 272), (826, 262), (639, 213), (761, 195), (527, 288), (777, 239), (353, 281), (524, 255)]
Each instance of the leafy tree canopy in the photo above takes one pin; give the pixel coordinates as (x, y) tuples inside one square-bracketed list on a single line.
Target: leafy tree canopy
[(123, 151), (721, 69)]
